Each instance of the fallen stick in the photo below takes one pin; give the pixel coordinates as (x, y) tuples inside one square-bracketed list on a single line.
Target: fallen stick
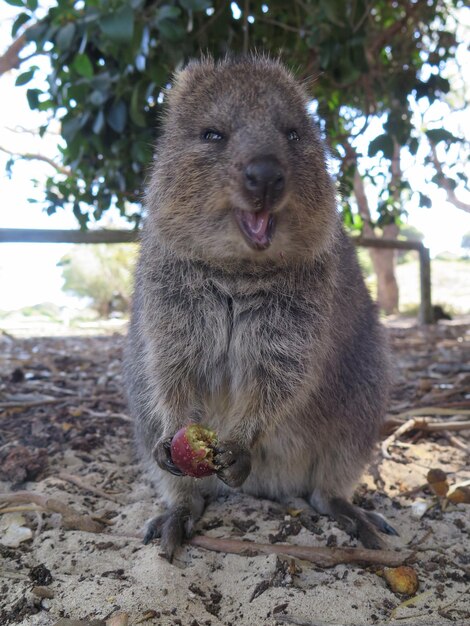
[(79, 482), (404, 428), (324, 557), (430, 426), (12, 404), (455, 441), (436, 410), (20, 508), (70, 517), (107, 415), (420, 423)]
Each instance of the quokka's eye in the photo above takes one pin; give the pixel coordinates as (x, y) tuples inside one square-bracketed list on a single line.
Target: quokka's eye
[(212, 135), (293, 135)]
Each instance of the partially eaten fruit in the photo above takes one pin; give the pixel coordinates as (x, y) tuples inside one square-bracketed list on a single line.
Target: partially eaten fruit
[(192, 450), (402, 579)]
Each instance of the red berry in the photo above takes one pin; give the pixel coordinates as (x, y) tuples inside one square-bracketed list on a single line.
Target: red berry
[(192, 450)]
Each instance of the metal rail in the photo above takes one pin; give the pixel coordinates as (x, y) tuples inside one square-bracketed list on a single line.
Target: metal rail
[(25, 235), (425, 309)]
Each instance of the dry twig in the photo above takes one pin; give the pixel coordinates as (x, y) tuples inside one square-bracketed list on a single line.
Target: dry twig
[(423, 424), (324, 557), (21, 508), (79, 482), (29, 405), (71, 518)]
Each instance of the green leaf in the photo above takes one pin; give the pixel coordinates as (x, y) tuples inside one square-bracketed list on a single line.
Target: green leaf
[(65, 36), (32, 4), (98, 98), (117, 116), (435, 85), (326, 53), (382, 143), (119, 26), (334, 11), (33, 98), (36, 32), (347, 215), (18, 23), (167, 12), (84, 117), (358, 222), (196, 5), (83, 66), (413, 146), (440, 134), (424, 201), (15, 3), (45, 105), (102, 82), (81, 217), (173, 31), (78, 90), (24, 78), (98, 124), (136, 110), (70, 128), (349, 72)]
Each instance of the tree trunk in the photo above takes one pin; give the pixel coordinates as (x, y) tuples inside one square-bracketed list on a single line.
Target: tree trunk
[(384, 267), (382, 260)]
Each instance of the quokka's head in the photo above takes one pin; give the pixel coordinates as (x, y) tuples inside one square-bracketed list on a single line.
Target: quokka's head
[(239, 171)]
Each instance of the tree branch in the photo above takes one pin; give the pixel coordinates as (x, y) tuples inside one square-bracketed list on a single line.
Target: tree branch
[(39, 157), (10, 59), (387, 34), (446, 184), (287, 27)]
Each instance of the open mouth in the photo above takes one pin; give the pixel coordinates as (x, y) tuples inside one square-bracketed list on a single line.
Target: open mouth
[(257, 228)]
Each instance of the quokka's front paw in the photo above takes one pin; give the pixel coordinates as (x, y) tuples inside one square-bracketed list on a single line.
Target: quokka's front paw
[(162, 455), (233, 463)]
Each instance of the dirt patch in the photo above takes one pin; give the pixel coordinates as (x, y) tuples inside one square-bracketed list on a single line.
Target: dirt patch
[(65, 435)]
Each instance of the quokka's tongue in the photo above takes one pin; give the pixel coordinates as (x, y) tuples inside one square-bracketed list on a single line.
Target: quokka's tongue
[(256, 228), (256, 223)]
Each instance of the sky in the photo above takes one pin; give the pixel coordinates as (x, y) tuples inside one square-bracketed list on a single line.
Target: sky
[(29, 272)]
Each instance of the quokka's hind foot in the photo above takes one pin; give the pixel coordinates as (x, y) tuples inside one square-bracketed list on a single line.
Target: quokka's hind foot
[(381, 523), (172, 528), (362, 524)]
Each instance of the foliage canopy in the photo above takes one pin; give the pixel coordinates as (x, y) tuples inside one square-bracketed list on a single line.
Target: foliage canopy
[(111, 61)]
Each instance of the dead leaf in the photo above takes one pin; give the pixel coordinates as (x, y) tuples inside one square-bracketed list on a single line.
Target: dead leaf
[(459, 494), (437, 480)]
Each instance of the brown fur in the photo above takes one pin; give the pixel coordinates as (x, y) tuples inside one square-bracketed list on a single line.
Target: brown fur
[(279, 350)]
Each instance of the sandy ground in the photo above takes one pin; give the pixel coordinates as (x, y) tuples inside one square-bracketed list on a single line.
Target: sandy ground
[(62, 418)]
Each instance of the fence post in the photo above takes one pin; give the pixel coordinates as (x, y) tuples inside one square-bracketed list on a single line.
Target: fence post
[(425, 309)]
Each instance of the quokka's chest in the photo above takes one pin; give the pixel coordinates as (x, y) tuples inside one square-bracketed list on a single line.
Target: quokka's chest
[(224, 339)]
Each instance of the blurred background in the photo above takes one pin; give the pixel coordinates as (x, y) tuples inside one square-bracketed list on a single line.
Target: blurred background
[(82, 87)]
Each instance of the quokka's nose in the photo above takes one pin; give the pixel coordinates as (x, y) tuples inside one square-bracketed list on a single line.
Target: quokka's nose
[(264, 180)]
